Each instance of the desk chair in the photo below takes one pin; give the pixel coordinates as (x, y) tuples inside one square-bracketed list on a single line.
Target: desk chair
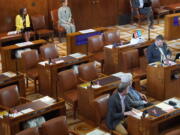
[(29, 131), (48, 51), (88, 72), (39, 26), (135, 14), (56, 126), (67, 88), (30, 60), (9, 97), (100, 105), (158, 9), (57, 28), (96, 49), (111, 37)]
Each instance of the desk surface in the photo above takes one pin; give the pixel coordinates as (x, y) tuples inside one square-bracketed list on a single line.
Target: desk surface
[(175, 6)]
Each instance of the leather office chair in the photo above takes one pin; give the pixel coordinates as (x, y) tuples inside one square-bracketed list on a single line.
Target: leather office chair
[(111, 37), (88, 72), (158, 9), (95, 48), (57, 28), (100, 105), (29, 131), (30, 60), (135, 14), (49, 51), (56, 126), (67, 88), (9, 97), (173, 132), (39, 26)]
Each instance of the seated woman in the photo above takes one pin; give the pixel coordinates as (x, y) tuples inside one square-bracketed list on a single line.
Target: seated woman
[(23, 23), (64, 16)]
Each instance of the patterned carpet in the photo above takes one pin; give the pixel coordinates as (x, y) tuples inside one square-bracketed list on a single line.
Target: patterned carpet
[(125, 33)]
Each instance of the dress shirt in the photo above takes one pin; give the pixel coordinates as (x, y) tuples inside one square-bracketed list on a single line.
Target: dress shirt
[(122, 102), (141, 2)]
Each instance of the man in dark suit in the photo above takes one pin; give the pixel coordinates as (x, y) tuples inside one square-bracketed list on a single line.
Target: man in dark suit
[(118, 109), (158, 51)]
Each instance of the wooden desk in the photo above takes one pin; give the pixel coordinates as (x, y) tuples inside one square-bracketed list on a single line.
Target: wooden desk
[(73, 46), (171, 28), (174, 7), (4, 37), (113, 59), (153, 125), (13, 125), (48, 73), (160, 81), (86, 95), (9, 61), (14, 79)]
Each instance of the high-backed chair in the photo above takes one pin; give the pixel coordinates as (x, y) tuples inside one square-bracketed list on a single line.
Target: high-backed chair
[(67, 87), (100, 105), (30, 60), (29, 131), (111, 37), (9, 97), (158, 9), (49, 51), (57, 28), (56, 126), (96, 47), (131, 63), (88, 72), (135, 14), (39, 26)]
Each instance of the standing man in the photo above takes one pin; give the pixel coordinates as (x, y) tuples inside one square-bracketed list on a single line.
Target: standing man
[(145, 9), (65, 17), (158, 51)]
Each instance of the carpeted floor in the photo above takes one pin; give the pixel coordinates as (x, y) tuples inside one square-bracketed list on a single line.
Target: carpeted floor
[(125, 33)]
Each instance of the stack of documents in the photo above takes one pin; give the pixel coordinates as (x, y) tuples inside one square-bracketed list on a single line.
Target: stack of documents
[(12, 32), (87, 31), (98, 132), (77, 55), (175, 100), (24, 44), (165, 107), (9, 74), (48, 100)]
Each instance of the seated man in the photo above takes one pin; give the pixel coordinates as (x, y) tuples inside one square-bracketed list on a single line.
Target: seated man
[(135, 99), (118, 109), (158, 51)]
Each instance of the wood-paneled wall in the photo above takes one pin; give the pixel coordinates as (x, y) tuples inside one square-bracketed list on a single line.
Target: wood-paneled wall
[(86, 13)]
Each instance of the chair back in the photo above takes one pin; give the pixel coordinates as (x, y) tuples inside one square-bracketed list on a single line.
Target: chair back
[(54, 18), (130, 59), (67, 80), (30, 59), (29, 131), (9, 96), (55, 126), (49, 51), (88, 71), (95, 43), (101, 107), (111, 37), (38, 22), (155, 4)]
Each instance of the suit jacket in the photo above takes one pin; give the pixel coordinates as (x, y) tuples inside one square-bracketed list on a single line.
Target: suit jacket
[(115, 115), (153, 53)]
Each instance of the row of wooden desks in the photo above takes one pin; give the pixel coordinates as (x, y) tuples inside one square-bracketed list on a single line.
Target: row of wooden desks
[(11, 124)]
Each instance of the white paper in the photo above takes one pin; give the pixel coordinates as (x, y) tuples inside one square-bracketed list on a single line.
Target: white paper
[(15, 114), (77, 55), (165, 107), (27, 110), (48, 100), (119, 74), (43, 63), (97, 132), (87, 31), (96, 86), (137, 113), (12, 32), (59, 61), (109, 46), (177, 101), (9, 74), (24, 44)]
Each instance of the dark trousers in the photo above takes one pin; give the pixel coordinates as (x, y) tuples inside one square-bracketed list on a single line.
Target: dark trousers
[(149, 13)]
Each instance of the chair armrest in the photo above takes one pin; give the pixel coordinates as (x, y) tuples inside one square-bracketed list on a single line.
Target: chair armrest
[(24, 100), (5, 108), (73, 132)]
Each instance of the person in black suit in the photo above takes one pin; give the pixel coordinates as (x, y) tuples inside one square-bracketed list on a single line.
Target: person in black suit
[(118, 109), (158, 51)]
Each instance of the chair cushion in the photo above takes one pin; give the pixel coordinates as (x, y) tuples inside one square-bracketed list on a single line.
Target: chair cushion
[(29, 131), (72, 96), (33, 73), (99, 56)]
